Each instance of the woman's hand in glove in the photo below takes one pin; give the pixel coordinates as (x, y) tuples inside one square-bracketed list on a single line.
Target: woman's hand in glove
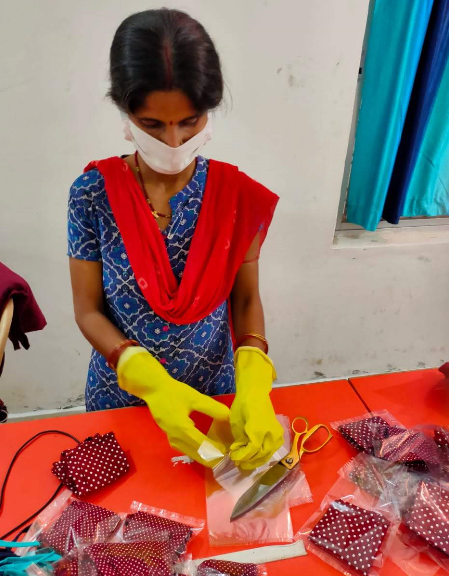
[(170, 402), (254, 425)]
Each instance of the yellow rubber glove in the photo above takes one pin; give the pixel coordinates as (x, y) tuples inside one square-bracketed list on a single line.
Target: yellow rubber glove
[(170, 402), (254, 425)]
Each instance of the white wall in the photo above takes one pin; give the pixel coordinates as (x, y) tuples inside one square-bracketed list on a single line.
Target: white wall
[(291, 67)]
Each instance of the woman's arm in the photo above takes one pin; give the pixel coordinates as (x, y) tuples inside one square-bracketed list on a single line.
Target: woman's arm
[(254, 425), (87, 288), (246, 305)]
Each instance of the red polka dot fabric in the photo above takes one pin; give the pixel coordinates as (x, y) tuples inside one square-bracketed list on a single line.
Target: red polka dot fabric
[(376, 437), (351, 534), (93, 464), (66, 567), (79, 523), (145, 526), (126, 559), (363, 434), (441, 436), (414, 449), (225, 568), (429, 515)]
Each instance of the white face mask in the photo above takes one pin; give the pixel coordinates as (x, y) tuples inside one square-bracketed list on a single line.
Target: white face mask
[(162, 158)]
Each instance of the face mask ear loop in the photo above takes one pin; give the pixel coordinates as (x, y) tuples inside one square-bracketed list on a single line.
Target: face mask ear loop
[(8, 472)]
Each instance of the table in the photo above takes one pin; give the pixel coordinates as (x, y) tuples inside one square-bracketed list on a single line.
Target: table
[(154, 480), (419, 397), (412, 397)]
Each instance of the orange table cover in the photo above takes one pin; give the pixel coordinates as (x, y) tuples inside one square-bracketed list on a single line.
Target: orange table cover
[(155, 480)]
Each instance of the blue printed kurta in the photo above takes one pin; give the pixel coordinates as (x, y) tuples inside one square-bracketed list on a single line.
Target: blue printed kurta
[(198, 354)]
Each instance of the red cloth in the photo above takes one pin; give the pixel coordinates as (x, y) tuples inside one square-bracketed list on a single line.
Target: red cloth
[(234, 210), (351, 534), (444, 369), (441, 436), (145, 526), (81, 522), (120, 559), (27, 314), (429, 515), (93, 464), (363, 434), (226, 568)]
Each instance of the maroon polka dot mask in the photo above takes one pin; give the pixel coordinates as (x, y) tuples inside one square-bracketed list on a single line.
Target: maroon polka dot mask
[(351, 534), (126, 559), (226, 568), (142, 525), (93, 464), (429, 516), (79, 523), (375, 436)]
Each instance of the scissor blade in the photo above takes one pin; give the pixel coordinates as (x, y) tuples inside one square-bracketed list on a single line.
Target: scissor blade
[(260, 490)]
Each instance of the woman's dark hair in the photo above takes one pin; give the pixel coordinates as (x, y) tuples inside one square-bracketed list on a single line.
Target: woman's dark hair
[(164, 50)]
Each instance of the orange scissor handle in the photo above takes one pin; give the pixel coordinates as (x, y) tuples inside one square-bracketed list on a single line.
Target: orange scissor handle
[(298, 447)]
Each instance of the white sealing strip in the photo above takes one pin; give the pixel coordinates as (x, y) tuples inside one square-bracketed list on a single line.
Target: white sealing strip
[(262, 555)]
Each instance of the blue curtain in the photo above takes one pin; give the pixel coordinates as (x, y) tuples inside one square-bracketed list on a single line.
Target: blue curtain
[(430, 71), (395, 42), (428, 194)]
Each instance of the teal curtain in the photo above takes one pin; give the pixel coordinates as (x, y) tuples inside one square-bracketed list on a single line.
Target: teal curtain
[(396, 38), (428, 194)]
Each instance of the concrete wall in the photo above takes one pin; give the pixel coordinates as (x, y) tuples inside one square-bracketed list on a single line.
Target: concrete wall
[(291, 68)]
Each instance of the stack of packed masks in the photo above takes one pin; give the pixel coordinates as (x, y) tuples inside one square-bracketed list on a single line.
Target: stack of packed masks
[(95, 541), (406, 471), (147, 541)]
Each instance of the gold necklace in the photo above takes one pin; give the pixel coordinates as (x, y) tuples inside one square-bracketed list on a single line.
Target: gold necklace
[(155, 213)]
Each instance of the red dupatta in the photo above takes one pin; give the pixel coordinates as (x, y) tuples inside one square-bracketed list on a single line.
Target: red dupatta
[(234, 209)]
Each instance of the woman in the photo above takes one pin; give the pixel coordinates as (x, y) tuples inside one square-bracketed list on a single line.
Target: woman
[(161, 240)]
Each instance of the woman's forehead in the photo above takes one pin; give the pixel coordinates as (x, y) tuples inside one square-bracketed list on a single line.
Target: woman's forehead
[(169, 107)]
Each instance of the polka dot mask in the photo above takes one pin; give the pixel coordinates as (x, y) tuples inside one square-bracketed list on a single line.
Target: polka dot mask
[(79, 523), (375, 436), (145, 526), (93, 464), (126, 559), (226, 568), (350, 534), (429, 516)]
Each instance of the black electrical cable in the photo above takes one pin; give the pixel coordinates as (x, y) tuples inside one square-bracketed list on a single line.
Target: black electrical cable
[(8, 472)]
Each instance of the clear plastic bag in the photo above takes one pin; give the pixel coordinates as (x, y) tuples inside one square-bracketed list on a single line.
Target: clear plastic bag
[(267, 523), (396, 485), (392, 483), (35, 570), (68, 565), (426, 523), (381, 435), (126, 559), (68, 522), (153, 524), (352, 531), (295, 488), (217, 567)]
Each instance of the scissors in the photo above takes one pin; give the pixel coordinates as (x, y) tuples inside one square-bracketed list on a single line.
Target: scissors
[(277, 473)]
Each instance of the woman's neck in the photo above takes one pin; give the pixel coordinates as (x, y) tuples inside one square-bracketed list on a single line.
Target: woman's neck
[(169, 183)]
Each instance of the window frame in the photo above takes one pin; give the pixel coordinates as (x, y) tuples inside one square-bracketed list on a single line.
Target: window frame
[(341, 223)]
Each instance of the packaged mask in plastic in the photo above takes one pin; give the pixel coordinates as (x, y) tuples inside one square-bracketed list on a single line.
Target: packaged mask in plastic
[(68, 522), (351, 531), (381, 435), (145, 522)]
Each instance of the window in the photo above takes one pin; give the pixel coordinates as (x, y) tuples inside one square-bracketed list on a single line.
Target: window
[(397, 166)]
